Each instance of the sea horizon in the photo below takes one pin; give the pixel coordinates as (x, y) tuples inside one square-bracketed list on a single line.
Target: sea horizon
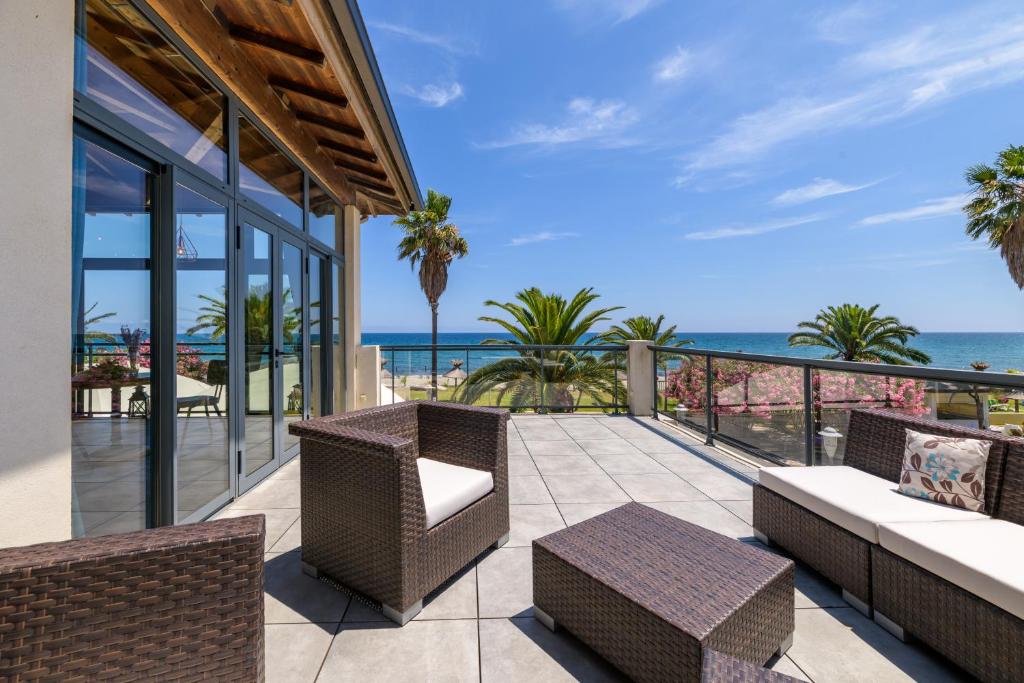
[(952, 350)]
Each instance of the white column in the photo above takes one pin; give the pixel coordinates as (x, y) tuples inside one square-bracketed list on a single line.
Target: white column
[(640, 377), (351, 224), (368, 384), (36, 50)]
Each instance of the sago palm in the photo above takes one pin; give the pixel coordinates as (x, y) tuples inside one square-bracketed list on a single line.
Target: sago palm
[(556, 378), (997, 210), (432, 242), (852, 332)]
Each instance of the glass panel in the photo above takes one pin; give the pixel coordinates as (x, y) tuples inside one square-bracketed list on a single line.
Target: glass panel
[(291, 338), (337, 381), (761, 406), (324, 216), (259, 349), (204, 460), (682, 391), (316, 346), (267, 176), (124, 65), (110, 331)]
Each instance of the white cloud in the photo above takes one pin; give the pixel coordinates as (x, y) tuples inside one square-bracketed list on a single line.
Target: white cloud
[(933, 208), (845, 24), (586, 120), (435, 95), (887, 81), (616, 11), (540, 237), (748, 230), (819, 188), (442, 42), (673, 67)]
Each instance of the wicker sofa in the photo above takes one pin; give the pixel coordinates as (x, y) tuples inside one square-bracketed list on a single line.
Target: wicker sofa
[(950, 578), (397, 499), (182, 603)]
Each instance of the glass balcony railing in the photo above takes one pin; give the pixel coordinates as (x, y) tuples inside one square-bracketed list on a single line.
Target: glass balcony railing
[(796, 411), (518, 377)]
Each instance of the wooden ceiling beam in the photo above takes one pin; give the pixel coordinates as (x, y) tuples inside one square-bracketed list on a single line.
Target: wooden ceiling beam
[(376, 187), (356, 168), (330, 124), (267, 41), (286, 85), (387, 202), (354, 152), (210, 40)]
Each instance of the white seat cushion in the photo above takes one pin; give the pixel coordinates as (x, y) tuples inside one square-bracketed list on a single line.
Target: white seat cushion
[(855, 500), (983, 557), (450, 488)]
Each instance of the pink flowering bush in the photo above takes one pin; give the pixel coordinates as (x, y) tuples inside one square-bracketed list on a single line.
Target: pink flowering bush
[(190, 363), (763, 389)]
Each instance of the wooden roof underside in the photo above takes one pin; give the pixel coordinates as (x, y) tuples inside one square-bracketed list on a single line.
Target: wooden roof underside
[(287, 61)]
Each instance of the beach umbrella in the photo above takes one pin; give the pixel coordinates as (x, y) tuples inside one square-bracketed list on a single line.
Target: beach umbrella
[(456, 373), (384, 372)]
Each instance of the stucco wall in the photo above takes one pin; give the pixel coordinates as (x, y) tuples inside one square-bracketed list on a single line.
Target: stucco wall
[(36, 53)]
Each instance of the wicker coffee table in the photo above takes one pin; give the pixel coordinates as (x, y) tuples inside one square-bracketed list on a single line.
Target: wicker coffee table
[(650, 593)]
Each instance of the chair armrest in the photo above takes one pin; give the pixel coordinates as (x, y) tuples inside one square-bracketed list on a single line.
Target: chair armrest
[(469, 436), (333, 430)]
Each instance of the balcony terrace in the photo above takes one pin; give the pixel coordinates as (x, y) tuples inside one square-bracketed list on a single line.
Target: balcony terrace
[(479, 625)]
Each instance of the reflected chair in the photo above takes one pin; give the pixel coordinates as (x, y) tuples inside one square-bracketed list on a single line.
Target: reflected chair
[(397, 499), (216, 377)]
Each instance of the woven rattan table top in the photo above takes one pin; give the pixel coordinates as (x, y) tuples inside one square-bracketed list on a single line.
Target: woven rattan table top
[(689, 576)]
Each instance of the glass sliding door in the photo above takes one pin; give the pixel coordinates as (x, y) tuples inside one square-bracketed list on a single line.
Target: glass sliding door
[(291, 348), (256, 277), (337, 342), (111, 405), (201, 334)]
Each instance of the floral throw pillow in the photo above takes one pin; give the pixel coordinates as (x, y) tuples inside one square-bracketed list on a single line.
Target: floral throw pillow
[(945, 469)]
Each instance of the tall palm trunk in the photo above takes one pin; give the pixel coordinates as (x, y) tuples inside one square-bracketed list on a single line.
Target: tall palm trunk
[(433, 350)]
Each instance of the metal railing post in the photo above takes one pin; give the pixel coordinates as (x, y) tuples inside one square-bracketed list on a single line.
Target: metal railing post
[(709, 397), (808, 416), (615, 390), (393, 371), (654, 374), (543, 380)]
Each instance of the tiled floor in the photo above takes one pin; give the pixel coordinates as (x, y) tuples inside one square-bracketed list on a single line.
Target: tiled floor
[(480, 625)]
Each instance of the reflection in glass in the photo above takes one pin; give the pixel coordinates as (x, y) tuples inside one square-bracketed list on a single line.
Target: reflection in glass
[(123, 64), (259, 356), (110, 331), (324, 215), (291, 339), (338, 379), (316, 346), (267, 176), (204, 465)]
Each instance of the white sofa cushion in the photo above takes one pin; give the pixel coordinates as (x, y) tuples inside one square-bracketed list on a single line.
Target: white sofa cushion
[(450, 488), (983, 557), (855, 500)]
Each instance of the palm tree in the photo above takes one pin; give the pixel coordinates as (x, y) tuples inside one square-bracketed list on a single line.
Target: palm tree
[(855, 333), (95, 336), (555, 377), (643, 327), (997, 209), (213, 316), (432, 242)]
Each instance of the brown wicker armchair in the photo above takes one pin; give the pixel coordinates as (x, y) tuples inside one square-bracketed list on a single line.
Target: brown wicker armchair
[(179, 603), (365, 522)]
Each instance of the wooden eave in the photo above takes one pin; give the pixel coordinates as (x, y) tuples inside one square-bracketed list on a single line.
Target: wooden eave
[(290, 64)]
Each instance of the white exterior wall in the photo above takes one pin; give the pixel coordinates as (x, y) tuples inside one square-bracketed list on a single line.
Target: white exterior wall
[(36, 53), (353, 331)]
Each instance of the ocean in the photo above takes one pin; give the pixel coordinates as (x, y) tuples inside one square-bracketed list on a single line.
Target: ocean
[(956, 350)]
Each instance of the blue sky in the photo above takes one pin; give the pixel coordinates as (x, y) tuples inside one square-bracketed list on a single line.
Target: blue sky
[(733, 165)]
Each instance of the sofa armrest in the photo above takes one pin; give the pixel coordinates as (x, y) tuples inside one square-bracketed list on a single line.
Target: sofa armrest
[(468, 436), (112, 607)]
